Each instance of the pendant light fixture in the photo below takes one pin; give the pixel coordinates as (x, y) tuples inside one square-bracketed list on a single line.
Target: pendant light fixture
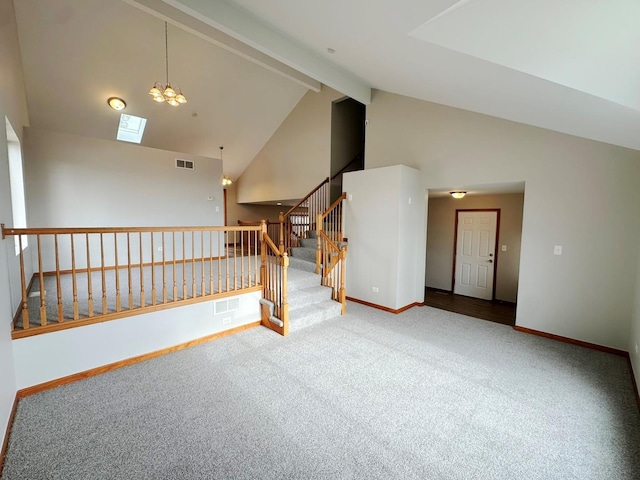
[(226, 181), (166, 93)]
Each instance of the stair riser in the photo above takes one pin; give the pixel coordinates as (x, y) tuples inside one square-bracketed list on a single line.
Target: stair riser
[(301, 298), (324, 311), (309, 243), (308, 254)]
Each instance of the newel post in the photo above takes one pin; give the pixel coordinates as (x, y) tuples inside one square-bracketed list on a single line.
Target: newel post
[(285, 302), (281, 220)]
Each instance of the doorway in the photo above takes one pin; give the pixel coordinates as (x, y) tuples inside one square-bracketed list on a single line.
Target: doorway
[(475, 254), (442, 248), (347, 141)]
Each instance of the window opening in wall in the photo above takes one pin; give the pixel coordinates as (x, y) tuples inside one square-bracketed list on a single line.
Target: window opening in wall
[(16, 181)]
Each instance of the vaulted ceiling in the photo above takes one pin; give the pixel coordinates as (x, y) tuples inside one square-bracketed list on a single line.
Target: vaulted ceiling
[(566, 65)]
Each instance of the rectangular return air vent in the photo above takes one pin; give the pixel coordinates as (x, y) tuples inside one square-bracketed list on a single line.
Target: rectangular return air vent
[(188, 164), (227, 305)]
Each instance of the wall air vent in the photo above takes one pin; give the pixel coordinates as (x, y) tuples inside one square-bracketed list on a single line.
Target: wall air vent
[(227, 305), (188, 164)]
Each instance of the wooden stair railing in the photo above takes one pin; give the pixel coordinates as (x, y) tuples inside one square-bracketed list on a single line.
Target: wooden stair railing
[(331, 252), (299, 219), (274, 306), (131, 270)]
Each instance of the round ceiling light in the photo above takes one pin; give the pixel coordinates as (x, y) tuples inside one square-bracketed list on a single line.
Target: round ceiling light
[(116, 103), (457, 194)]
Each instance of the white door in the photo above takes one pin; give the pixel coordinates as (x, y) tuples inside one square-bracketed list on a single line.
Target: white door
[(475, 251)]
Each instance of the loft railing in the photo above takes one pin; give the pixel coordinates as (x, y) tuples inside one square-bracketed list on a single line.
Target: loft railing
[(331, 252), (89, 275), (296, 223), (274, 304)]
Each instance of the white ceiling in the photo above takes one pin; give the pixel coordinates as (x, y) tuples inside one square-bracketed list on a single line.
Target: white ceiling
[(77, 53), (566, 65)]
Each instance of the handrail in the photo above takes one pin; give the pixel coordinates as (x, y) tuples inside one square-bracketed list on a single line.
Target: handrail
[(334, 205), (351, 162), (326, 180), (134, 269), (291, 228)]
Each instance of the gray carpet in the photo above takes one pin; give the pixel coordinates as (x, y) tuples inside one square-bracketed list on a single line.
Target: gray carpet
[(426, 394)]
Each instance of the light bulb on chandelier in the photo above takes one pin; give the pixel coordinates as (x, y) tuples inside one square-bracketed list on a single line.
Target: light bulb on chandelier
[(166, 93)]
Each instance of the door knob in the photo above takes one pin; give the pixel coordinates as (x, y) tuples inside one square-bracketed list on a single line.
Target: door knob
[(489, 261)]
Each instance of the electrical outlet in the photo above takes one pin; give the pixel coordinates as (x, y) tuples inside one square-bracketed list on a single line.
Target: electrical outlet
[(375, 289), (226, 320), (217, 209), (557, 250), (504, 248)]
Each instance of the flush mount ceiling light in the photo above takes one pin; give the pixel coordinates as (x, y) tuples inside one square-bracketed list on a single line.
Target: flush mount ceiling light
[(166, 93), (458, 194), (116, 103)]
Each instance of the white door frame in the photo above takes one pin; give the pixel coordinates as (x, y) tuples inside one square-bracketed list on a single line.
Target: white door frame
[(495, 253)]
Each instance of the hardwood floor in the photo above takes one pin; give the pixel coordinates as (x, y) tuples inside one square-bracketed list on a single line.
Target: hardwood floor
[(496, 311)]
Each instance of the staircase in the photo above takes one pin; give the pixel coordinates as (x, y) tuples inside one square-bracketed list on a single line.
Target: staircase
[(309, 302)]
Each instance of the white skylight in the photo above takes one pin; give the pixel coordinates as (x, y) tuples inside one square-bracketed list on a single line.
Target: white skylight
[(131, 128)]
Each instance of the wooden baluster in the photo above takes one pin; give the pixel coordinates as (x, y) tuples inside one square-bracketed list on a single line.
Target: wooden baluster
[(220, 260), (43, 304), (74, 282), (235, 260), (255, 258), (23, 280), (227, 262), (193, 266), (175, 283), (142, 294), (282, 240), (103, 276), (164, 271), (242, 282), (129, 270), (184, 268), (211, 261), (89, 284), (202, 287), (153, 271), (118, 298), (58, 283)]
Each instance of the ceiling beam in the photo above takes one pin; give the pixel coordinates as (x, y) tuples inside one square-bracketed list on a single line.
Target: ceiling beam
[(251, 31), (205, 31)]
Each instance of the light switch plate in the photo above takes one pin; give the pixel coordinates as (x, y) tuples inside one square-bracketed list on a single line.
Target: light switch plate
[(557, 250), (504, 248)]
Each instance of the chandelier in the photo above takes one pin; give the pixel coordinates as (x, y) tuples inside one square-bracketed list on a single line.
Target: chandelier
[(166, 93)]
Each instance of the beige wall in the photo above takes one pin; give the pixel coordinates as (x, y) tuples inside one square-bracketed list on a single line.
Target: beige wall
[(13, 106), (580, 194), (441, 237), (298, 155), (79, 181), (634, 337), (249, 212)]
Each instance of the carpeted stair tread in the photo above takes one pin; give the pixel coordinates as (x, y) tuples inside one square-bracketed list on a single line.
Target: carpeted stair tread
[(308, 296), (300, 279), (300, 264), (309, 243), (313, 314)]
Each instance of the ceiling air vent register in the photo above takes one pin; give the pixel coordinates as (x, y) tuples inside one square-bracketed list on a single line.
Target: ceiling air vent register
[(188, 164)]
